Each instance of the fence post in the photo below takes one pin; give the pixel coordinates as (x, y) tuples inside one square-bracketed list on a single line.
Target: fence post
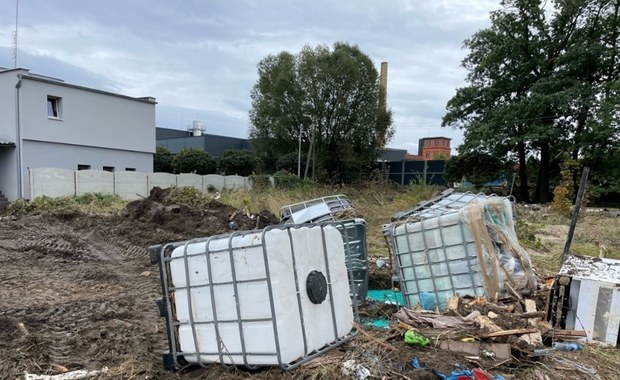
[(402, 172)]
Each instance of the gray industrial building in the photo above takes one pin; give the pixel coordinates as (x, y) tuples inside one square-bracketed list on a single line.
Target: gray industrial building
[(47, 123), (175, 140)]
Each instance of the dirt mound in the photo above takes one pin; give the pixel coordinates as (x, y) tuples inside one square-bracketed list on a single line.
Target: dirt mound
[(179, 222)]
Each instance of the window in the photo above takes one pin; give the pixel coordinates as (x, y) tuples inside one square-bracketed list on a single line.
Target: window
[(108, 168), (130, 169), (83, 167), (54, 107)]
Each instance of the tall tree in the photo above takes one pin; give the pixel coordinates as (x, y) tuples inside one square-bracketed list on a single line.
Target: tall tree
[(535, 82), (328, 99)]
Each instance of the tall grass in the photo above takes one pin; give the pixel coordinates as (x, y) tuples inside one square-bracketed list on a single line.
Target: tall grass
[(90, 203), (376, 203)]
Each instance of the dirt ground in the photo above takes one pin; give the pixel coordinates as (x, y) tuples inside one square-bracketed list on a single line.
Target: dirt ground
[(78, 292)]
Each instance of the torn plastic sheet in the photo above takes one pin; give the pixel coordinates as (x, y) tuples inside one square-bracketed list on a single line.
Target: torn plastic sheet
[(461, 244)]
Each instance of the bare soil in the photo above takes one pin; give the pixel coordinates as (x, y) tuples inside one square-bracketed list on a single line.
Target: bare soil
[(78, 291)]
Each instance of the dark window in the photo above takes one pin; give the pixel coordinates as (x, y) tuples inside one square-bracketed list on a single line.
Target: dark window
[(130, 169), (83, 167), (54, 107), (108, 168)]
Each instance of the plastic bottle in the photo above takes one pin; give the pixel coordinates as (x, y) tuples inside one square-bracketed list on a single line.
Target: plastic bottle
[(567, 346)]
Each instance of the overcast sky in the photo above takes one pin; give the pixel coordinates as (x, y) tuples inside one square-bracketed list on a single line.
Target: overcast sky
[(198, 58)]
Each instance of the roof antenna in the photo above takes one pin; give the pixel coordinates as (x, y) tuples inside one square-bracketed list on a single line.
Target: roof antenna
[(15, 33)]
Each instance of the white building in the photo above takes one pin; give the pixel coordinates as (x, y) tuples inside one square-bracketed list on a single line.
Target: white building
[(47, 123)]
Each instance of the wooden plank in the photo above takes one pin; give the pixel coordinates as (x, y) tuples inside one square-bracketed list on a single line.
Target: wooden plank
[(566, 333), (501, 350), (509, 332)]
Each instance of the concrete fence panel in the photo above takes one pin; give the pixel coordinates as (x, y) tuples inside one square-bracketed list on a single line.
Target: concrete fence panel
[(190, 180), (162, 180), (94, 181), (51, 182), (131, 185), (234, 182), (214, 180)]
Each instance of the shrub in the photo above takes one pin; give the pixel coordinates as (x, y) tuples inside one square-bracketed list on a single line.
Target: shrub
[(162, 160), (242, 162), (194, 160), (285, 180)]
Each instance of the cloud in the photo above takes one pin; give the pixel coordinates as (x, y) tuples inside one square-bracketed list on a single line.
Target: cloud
[(199, 58)]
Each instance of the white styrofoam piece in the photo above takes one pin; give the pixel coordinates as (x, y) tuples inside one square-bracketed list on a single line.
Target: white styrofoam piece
[(588, 312), (253, 297), (586, 307), (613, 324), (592, 268)]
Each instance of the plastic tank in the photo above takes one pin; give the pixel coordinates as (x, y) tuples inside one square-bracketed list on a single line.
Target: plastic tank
[(326, 210), (279, 296), (353, 233), (459, 243)]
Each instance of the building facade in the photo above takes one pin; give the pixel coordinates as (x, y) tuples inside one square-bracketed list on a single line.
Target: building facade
[(47, 123), (434, 148)]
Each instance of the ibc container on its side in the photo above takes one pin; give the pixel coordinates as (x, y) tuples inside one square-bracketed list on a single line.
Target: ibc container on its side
[(279, 296)]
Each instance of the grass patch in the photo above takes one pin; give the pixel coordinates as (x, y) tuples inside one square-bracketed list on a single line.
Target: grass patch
[(90, 203), (189, 197)]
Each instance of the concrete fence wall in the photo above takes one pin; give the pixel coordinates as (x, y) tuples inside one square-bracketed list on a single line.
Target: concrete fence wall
[(53, 182)]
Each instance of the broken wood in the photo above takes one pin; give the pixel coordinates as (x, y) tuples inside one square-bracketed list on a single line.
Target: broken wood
[(532, 314), (565, 333), (453, 303), (509, 332), (515, 294), (488, 325)]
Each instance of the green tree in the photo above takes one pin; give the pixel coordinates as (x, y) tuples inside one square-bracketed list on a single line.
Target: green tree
[(239, 161), (478, 168), (290, 162), (537, 84), (327, 98), (162, 160), (194, 160)]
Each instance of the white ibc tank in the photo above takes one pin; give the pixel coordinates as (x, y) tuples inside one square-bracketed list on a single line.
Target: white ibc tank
[(257, 299)]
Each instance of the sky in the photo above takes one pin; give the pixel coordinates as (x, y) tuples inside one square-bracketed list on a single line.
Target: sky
[(199, 57)]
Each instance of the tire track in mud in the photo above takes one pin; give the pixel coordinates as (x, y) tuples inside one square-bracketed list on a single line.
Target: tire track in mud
[(90, 293)]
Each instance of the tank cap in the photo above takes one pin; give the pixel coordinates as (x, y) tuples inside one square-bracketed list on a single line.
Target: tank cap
[(316, 286)]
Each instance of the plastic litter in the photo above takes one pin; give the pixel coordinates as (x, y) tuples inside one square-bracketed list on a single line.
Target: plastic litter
[(387, 296), (355, 370), (567, 346), (415, 339), (458, 373)]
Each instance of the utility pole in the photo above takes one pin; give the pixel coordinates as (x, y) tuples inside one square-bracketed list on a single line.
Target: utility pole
[(299, 155)]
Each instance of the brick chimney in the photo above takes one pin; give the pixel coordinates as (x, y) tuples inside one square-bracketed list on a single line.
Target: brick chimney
[(383, 86)]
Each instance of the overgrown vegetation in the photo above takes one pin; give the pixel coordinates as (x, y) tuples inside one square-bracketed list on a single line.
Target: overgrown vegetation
[(162, 160), (90, 203), (241, 162), (194, 160), (189, 197)]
